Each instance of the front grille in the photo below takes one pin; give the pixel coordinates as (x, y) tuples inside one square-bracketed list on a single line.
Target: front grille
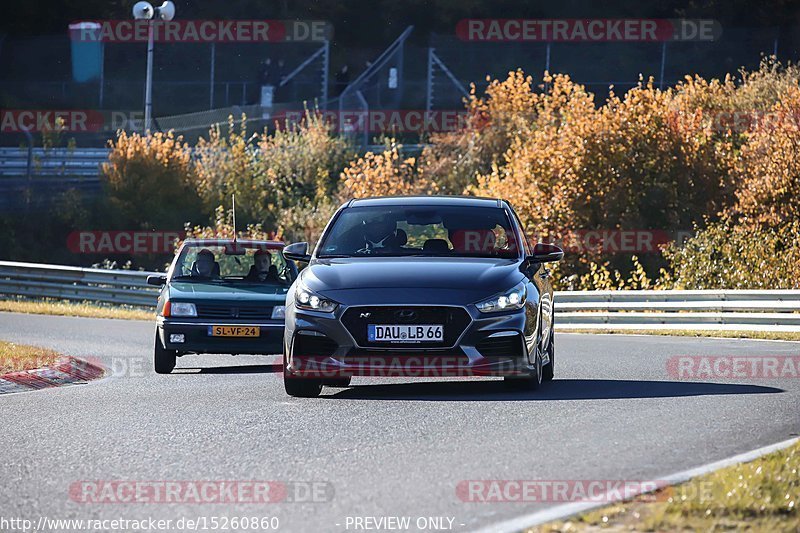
[(234, 311), (314, 345), (510, 346), (454, 319), (446, 353)]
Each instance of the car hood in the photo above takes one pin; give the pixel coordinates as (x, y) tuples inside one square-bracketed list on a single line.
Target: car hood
[(468, 275), (194, 291)]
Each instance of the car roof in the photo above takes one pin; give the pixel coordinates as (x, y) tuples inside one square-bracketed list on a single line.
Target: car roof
[(247, 243), (474, 201)]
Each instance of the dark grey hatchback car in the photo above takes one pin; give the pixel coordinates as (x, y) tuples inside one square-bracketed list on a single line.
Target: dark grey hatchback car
[(420, 287)]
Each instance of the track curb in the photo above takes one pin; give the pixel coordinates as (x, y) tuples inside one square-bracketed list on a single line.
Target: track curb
[(67, 370)]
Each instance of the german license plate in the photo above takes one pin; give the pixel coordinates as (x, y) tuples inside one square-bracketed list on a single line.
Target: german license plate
[(234, 331), (405, 333)]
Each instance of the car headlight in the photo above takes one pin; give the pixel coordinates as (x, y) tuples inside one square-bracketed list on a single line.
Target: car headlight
[(182, 309), (506, 301), (278, 312), (305, 298)]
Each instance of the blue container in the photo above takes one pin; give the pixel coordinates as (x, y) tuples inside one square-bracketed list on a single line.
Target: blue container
[(87, 51)]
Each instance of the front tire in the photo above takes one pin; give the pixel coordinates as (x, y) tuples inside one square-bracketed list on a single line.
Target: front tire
[(530, 382), (301, 387), (549, 369), (163, 359)]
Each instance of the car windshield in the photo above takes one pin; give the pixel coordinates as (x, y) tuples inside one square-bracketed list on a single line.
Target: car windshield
[(446, 231), (234, 263)]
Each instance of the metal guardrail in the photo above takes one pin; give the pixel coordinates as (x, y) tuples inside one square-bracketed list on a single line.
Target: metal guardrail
[(774, 310), (63, 165), (36, 182), (53, 162), (33, 280)]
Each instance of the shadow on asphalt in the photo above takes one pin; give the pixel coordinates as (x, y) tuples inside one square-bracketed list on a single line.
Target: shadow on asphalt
[(562, 389), (241, 369)]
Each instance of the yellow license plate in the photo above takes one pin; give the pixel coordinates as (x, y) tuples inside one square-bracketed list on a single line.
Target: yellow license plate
[(234, 331)]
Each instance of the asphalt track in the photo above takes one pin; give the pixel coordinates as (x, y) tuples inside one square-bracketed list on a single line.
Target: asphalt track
[(385, 447)]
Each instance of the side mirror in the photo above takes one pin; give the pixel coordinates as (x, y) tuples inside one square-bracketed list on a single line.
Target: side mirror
[(157, 279), (297, 252), (546, 253)]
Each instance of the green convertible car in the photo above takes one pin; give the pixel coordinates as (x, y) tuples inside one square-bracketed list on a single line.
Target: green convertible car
[(221, 296)]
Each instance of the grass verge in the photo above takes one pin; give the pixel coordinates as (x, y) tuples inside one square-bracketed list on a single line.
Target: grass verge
[(16, 357), (726, 334), (762, 495), (62, 308)]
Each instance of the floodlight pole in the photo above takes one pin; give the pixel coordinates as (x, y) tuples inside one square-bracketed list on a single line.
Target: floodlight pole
[(148, 84), (143, 10)]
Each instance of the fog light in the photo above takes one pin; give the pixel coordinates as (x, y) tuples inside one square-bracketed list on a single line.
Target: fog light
[(177, 338)]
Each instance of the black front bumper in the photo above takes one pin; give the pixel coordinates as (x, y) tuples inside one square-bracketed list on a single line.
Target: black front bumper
[(197, 338), (476, 344)]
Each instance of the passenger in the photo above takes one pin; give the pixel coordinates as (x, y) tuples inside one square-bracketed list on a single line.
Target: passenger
[(263, 269)]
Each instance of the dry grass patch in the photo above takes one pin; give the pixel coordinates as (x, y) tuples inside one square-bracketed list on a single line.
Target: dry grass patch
[(62, 308), (732, 334), (17, 357), (762, 495)]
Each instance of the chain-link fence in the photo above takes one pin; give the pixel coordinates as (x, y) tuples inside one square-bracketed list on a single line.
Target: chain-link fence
[(192, 80), (188, 77), (597, 65)]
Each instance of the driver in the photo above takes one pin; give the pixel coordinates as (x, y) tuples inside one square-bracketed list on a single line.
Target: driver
[(204, 264), (380, 233)]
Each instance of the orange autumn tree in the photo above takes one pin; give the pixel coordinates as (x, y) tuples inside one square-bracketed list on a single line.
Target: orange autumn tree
[(492, 121), (150, 181), (757, 242), (384, 174), (540, 173), (626, 164), (769, 167)]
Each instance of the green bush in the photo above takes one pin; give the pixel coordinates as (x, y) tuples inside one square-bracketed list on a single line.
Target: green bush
[(729, 256), (305, 221), (270, 172)]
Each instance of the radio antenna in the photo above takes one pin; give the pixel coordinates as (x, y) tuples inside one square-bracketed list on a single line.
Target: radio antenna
[(233, 203)]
